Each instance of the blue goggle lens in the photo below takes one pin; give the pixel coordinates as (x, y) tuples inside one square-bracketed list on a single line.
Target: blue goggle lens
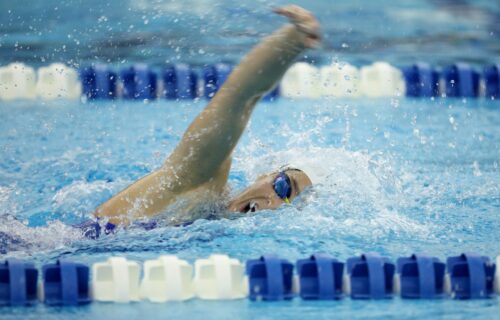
[(282, 186)]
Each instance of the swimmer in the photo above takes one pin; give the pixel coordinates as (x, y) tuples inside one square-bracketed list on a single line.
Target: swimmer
[(197, 171)]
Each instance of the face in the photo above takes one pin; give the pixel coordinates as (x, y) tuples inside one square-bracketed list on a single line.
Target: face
[(261, 194)]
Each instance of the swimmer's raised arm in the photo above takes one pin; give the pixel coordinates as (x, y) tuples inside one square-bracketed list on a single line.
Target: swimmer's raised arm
[(203, 157), (209, 141)]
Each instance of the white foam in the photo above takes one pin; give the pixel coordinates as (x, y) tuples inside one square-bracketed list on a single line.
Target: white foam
[(4, 196), (353, 191), (77, 198), (25, 240)]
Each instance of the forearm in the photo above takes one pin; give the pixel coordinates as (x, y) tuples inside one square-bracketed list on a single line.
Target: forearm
[(263, 66), (215, 132)]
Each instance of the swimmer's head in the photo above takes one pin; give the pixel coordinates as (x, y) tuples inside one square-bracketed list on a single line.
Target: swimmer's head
[(272, 190)]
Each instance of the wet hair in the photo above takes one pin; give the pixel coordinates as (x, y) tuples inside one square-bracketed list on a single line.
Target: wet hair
[(288, 167)]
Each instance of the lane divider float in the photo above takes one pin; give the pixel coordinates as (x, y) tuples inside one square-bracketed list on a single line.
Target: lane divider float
[(139, 82), (167, 278), (340, 80), (58, 81), (370, 276), (320, 277), (381, 80), (116, 280), (65, 283), (471, 276), (18, 283), (220, 278), (180, 81), (422, 80), (268, 278), (99, 82), (421, 277), (17, 81), (302, 80)]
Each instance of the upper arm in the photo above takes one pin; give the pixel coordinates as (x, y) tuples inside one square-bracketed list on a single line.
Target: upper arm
[(212, 136), (210, 140)]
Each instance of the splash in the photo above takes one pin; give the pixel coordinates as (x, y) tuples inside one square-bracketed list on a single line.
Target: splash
[(80, 198), (354, 192), (19, 239)]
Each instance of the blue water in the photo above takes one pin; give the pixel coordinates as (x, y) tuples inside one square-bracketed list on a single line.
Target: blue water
[(199, 31), (390, 175), (393, 176)]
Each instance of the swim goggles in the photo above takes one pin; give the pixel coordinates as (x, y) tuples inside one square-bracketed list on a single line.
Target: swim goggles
[(283, 186)]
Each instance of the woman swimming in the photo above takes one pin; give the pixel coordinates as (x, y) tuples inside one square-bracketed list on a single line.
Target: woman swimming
[(197, 171)]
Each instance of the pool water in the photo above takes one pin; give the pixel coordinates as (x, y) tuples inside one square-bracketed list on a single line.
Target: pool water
[(395, 176), (198, 31)]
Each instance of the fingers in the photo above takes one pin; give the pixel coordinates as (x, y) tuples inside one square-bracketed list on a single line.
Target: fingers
[(312, 43), (291, 11), (304, 21)]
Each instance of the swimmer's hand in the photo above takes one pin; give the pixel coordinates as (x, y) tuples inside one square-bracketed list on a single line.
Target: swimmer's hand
[(304, 21)]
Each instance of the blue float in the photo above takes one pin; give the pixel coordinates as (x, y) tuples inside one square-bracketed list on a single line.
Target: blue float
[(98, 82), (371, 276), (491, 76), (66, 283), (273, 94), (139, 82), (422, 80), (18, 283), (180, 82), (461, 81), (270, 278), (421, 277), (214, 77), (471, 276), (320, 277)]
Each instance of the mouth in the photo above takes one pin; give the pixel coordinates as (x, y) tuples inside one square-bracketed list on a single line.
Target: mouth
[(249, 207)]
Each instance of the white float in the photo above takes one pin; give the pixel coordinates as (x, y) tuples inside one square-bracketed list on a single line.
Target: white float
[(339, 80), (302, 80), (220, 277), (58, 81), (116, 280), (167, 279), (396, 284), (346, 284), (381, 80), (17, 81), (447, 284)]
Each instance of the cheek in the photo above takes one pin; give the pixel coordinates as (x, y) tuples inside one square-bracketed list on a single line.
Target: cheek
[(269, 201), (265, 202), (274, 201)]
